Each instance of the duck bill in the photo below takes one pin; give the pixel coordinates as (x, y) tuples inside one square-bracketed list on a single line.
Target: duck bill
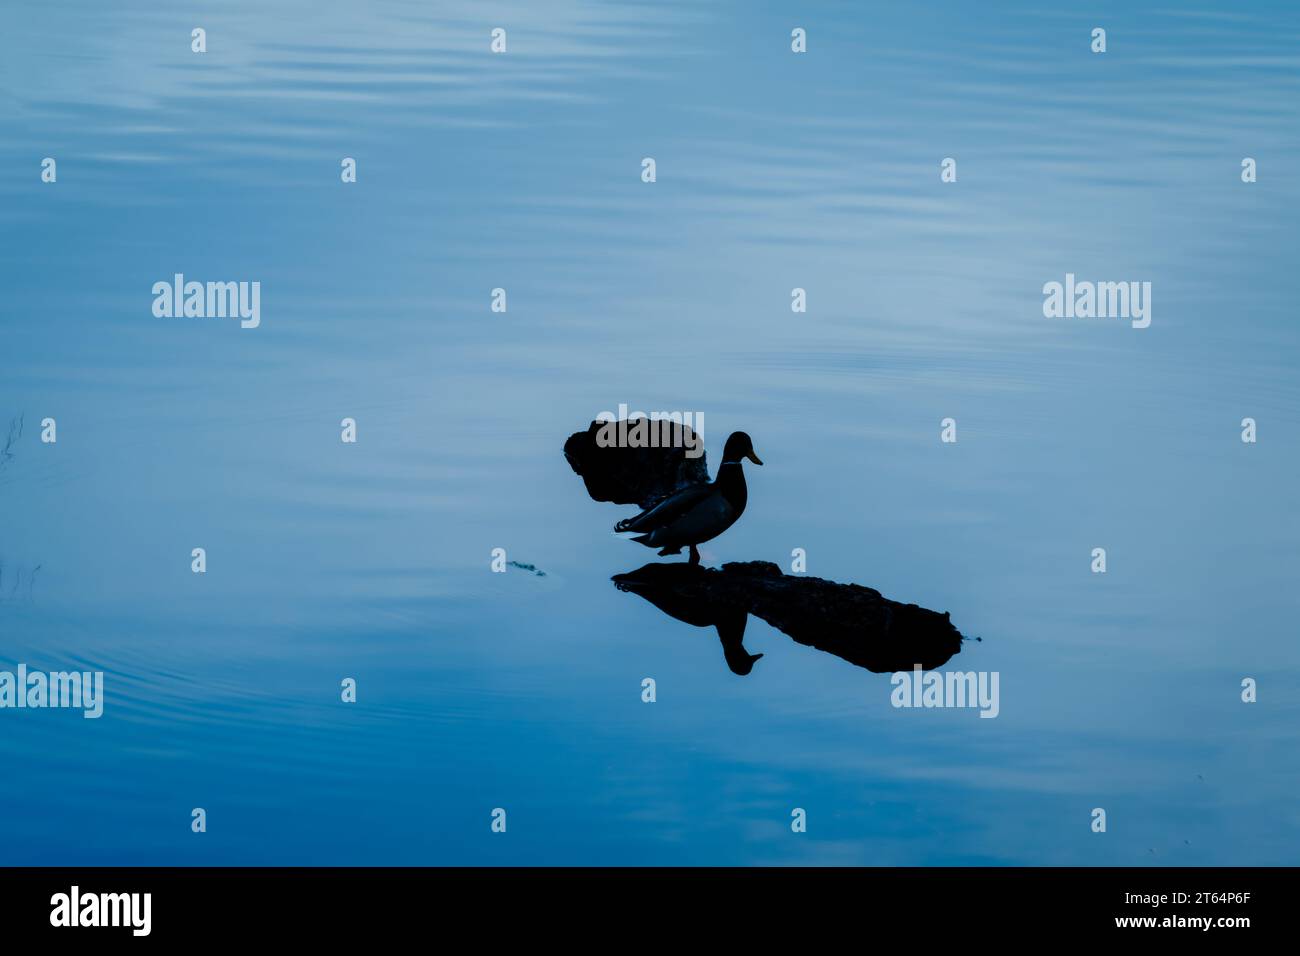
[(754, 458)]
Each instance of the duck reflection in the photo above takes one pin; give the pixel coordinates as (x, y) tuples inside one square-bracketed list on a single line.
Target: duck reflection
[(853, 622), (681, 591)]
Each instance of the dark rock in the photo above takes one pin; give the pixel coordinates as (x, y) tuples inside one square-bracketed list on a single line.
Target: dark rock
[(633, 476)]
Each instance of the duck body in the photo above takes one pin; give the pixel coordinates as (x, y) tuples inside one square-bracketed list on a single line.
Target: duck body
[(697, 513)]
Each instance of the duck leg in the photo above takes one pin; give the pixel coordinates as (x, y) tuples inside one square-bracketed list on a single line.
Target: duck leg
[(695, 555)]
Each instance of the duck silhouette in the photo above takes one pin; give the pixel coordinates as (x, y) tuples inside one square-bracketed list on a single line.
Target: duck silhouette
[(697, 513)]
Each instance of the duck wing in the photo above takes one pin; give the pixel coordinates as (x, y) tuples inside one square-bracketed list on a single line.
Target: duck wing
[(707, 518), (666, 511)]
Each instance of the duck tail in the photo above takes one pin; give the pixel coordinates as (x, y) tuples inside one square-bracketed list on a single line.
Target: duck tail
[(630, 524)]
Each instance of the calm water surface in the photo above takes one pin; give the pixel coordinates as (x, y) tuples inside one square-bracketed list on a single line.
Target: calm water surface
[(775, 171)]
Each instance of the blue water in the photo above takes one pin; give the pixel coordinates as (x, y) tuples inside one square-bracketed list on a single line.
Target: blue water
[(522, 171)]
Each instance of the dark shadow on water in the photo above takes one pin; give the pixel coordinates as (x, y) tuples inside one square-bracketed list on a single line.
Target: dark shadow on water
[(852, 622)]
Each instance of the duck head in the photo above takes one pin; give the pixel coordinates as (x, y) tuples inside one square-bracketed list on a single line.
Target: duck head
[(739, 446), (739, 660)]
